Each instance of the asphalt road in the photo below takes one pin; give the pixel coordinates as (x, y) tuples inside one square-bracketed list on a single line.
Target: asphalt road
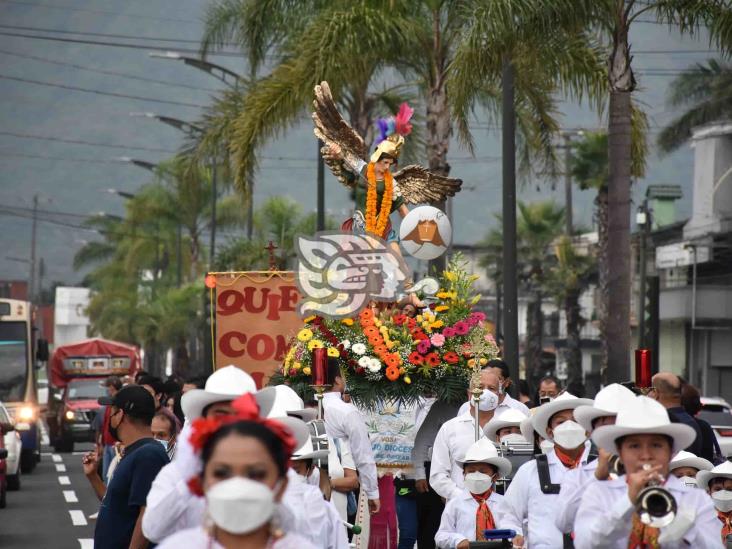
[(52, 507)]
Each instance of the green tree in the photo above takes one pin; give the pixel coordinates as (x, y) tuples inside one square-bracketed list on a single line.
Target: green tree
[(566, 280), (706, 92)]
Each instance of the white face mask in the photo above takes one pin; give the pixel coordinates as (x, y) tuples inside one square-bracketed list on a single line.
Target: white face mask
[(569, 435), (513, 438), (239, 505), (689, 481), (478, 483), (488, 401), (723, 500), (546, 446)]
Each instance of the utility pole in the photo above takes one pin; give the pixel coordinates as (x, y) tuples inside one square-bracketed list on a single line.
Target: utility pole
[(321, 191), (568, 184), (214, 194), (510, 288), (31, 290), (643, 220)]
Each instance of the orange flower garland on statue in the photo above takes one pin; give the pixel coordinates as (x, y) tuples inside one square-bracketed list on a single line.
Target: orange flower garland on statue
[(373, 225)]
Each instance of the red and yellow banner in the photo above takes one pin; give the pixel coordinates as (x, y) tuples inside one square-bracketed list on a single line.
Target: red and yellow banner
[(255, 318)]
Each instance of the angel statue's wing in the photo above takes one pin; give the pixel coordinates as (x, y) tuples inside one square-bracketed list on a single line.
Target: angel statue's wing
[(330, 127), (418, 185)]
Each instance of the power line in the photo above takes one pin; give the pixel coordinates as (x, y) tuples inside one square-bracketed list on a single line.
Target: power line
[(116, 44), (102, 12), (99, 92), (80, 142), (104, 71)]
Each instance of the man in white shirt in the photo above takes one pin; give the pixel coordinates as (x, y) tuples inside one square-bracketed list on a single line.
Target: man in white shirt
[(315, 518), (645, 440), (505, 427), (505, 401), (533, 495), (602, 412), (685, 466), (717, 482), (457, 435), (344, 421), (476, 507)]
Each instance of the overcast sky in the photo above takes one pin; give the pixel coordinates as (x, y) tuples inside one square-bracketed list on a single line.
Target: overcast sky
[(83, 132)]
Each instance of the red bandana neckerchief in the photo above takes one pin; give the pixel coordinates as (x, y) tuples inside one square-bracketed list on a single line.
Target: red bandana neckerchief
[(726, 519), (483, 516), (567, 461)]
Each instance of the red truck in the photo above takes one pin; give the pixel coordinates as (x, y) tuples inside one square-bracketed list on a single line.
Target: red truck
[(76, 374)]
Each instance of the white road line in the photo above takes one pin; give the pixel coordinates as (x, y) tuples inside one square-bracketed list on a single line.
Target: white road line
[(70, 496), (86, 543), (78, 518), (56, 458), (78, 453), (60, 468), (65, 481)]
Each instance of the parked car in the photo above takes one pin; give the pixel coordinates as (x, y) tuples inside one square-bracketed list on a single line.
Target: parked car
[(77, 412), (718, 413), (14, 445)]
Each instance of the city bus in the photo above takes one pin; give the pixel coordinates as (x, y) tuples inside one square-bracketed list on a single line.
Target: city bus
[(19, 351)]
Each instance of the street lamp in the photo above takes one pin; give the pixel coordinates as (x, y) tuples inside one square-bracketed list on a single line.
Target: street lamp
[(643, 220), (186, 127), (227, 76)]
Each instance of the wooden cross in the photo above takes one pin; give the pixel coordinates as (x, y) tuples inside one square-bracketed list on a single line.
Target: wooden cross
[(272, 259)]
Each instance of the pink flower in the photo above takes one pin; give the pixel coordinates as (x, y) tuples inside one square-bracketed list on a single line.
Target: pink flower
[(478, 316), (438, 340), (448, 332), (423, 346), (461, 328), (490, 339)]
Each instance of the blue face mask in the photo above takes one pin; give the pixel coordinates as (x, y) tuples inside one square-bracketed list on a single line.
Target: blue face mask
[(164, 443)]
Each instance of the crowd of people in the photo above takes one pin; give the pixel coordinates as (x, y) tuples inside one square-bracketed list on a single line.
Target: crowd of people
[(222, 464)]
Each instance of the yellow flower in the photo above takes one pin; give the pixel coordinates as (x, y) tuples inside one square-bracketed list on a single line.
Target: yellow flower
[(333, 352), (419, 318), (452, 277), (452, 295), (390, 345), (442, 308), (347, 321), (443, 294), (305, 334), (384, 330), (315, 344), (297, 366), (471, 362), (306, 370), (407, 380), (309, 319), (437, 324), (483, 361), (475, 299)]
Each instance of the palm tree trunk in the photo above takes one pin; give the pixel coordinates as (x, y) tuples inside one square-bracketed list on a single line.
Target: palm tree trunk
[(602, 270), (574, 355), (617, 329)]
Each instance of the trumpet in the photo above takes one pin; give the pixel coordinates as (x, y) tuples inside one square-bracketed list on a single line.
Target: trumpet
[(656, 506)]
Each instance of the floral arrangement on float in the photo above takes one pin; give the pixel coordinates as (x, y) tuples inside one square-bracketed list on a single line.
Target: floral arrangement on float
[(386, 354)]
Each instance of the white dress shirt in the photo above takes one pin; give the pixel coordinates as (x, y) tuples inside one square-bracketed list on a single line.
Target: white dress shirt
[(507, 404), (200, 538), (524, 500), (343, 420), (605, 517), (314, 518), (336, 467), (574, 485), (452, 441), (458, 518)]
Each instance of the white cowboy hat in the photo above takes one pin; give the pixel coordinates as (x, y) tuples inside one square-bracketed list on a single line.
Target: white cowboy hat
[(643, 416), (703, 478), (565, 401), (484, 451), (527, 429), (285, 401), (687, 459), (306, 414), (509, 418), (607, 403), (306, 451), (224, 384)]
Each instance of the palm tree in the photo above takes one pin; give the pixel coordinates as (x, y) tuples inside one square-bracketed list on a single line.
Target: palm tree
[(566, 281), (707, 92)]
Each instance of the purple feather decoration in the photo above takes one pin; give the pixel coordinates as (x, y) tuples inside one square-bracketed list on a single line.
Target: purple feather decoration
[(383, 125)]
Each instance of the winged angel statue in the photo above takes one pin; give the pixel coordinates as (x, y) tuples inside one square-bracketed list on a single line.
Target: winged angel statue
[(378, 192)]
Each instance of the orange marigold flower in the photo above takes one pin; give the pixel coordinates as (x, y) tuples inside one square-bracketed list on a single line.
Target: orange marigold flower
[(380, 350), (366, 322), (370, 331), (366, 314), (392, 373), (375, 340), (392, 359)]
